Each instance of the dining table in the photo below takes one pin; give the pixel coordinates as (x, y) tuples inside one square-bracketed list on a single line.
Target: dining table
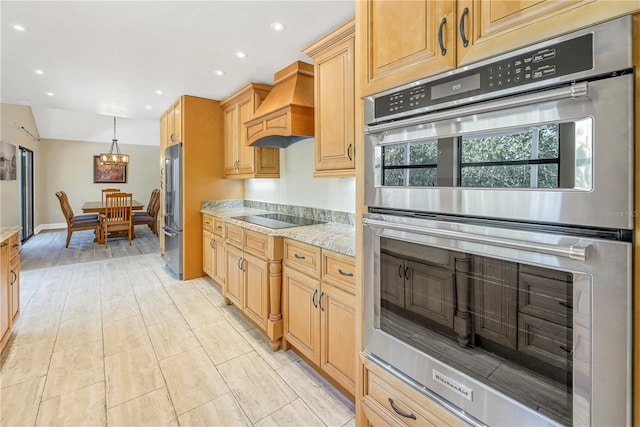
[(99, 206)]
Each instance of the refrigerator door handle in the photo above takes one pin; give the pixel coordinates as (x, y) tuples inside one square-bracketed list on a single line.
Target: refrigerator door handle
[(168, 232)]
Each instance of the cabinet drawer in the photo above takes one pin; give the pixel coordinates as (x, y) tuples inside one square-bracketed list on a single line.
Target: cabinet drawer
[(546, 298), (339, 270), (207, 222), (14, 246), (218, 225), (233, 234), (380, 394), (303, 257), (256, 243), (544, 340)]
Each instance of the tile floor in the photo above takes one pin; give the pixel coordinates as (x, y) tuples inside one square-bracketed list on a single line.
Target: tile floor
[(120, 342)]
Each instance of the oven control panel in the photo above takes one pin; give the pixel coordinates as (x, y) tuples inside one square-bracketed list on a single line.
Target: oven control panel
[(553, 61)]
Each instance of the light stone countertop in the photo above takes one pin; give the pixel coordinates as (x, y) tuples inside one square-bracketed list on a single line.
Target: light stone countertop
[(340, 238), (6, 232)]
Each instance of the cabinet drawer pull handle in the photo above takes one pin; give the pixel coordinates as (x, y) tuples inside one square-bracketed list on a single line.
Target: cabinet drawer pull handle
[(406, 273), (211, 243), (313, 298), (399, 412), (14, 277), (16, 245), (443, 51), (465, 41), (349, 152), (400, 270), (4, 245), (299, 256), (320, 301), (345, 274)]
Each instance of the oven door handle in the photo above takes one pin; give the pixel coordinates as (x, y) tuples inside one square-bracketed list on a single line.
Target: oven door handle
[(576, 90), (577, 251)]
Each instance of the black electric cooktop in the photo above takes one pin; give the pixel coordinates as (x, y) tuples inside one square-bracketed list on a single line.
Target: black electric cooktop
[(276, 220)]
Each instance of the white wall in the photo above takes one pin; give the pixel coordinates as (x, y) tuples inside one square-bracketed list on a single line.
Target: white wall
[(13, 117), (68, 166), (298, 187)]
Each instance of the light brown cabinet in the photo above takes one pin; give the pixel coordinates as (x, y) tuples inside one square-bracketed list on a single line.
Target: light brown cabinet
[(9, 286), (174, 123), (404, 41), (334, 101), (319, 309), (254, 278), (242, 160), (388, 401), (207, 245), (202, 130)]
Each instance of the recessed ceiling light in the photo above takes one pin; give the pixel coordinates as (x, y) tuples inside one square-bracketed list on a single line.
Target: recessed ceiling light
[(148, 107), (240, 54), (20, 28), (219, 73), (50, 94), (38, 71), (277, 26), (158, 91)]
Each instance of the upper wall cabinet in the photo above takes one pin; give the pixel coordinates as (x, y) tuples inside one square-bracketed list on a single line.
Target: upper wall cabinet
[(174, 123), (334, 94), (404, 41), (242, 160)]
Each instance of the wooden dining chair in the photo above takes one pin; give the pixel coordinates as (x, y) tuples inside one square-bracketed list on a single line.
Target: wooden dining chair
[(150, 217), (106, 191), (117, 216), (75, 222)]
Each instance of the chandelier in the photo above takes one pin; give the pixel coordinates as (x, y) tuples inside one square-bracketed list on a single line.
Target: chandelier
[(114, 158)]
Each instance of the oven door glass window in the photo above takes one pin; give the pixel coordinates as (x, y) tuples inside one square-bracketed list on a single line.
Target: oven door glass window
[(509, 325), (546, 156), (412, 164)]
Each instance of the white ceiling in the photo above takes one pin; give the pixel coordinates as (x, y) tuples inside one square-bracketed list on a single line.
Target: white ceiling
[(107, 58)]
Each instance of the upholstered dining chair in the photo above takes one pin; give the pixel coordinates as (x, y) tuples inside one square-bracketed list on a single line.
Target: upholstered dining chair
[(116, 216), (75, 222), (150, 217), (106, 191)]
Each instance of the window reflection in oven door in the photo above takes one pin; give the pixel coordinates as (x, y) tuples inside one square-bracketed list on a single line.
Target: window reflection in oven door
[(511, 327)]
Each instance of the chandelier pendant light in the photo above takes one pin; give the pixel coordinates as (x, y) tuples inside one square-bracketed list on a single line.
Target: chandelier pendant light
[(114, 157)]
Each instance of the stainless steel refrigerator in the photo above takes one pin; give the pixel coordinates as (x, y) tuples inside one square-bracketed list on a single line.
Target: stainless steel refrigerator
[(173, 209)]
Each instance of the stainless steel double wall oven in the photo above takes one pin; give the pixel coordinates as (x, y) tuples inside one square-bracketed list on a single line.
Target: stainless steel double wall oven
[(498, 254)]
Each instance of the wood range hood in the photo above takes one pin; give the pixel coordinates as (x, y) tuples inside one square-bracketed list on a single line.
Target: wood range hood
[(286, 114)]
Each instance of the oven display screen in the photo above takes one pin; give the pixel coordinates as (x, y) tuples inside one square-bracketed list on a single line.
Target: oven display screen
[(462, 85)]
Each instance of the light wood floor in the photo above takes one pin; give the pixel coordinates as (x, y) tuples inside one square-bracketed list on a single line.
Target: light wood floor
[(118, 341)]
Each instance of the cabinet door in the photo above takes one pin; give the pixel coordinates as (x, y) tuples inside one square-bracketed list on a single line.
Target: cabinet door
[(246, 160), (399, 41), (177, 123), (256, 289), (230, 138), (14, 285), (495, 294), (5, 294), (493, 27), (392, 280), (338, 335), (234, 285), (429, 292), (334, 108), (301, 314), (219, 261), (207, 253)]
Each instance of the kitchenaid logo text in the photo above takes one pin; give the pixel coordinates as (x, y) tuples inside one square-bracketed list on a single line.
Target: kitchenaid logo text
[(463, 391)]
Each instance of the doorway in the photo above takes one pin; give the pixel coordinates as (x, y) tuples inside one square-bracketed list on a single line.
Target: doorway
[(25, 185)]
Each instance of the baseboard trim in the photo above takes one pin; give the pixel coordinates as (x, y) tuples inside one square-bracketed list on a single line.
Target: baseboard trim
[(53, 226)]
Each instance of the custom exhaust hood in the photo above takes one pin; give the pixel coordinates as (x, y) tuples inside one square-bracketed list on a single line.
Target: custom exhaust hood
[(286, 114)]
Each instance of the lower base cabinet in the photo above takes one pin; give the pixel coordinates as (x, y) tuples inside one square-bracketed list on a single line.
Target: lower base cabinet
[(319, 309), (388, 401), (9, 286)]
